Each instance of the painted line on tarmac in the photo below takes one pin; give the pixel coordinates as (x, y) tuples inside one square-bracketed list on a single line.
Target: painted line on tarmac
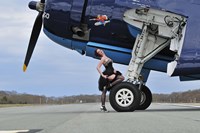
[(15, 131), (21, 131), (180, 104), (187, 105)]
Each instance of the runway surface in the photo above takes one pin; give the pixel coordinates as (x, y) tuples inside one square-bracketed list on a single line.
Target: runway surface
[(86, 118)]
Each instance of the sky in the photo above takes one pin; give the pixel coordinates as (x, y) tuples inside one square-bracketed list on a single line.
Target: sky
[(53, 69)]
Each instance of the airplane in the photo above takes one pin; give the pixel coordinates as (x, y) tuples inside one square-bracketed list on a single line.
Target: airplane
[(145, 35)]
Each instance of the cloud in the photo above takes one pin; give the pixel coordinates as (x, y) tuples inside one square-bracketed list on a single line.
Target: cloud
[(16, 23), (161, 83), (53, 69)]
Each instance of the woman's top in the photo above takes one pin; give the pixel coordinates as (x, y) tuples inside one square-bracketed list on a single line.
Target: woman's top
[(109, 70)]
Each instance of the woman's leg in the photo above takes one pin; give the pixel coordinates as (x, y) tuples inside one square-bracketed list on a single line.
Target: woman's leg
[(111, 77), (113, 80), (119, 78), (103, 100), (103, 97)]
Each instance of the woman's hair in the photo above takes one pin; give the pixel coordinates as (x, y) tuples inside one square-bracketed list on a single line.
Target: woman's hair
[(96, 53)]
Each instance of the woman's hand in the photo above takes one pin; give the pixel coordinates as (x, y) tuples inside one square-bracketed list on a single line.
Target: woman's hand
[(104, 76), (115, 71)]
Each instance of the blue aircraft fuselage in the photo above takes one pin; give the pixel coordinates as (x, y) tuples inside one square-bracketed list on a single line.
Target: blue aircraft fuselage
[(106, 29)]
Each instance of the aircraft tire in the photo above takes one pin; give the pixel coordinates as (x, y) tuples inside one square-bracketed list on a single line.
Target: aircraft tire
[(125, 97), (146, 98)]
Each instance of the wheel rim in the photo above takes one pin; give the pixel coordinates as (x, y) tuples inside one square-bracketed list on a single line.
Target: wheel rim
[(143, 98), (124, 97)]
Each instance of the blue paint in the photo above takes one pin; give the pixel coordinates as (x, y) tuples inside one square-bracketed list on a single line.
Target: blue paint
[(109, 47), (117, 54), (117, 38), (71, 44), (62, 41), (134, 30), (189, 62), (123, 56)]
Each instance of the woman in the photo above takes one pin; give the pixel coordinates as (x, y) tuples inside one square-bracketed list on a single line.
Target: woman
[(108, 78)]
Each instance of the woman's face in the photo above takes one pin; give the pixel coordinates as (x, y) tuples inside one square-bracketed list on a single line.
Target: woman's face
[(100, 52)]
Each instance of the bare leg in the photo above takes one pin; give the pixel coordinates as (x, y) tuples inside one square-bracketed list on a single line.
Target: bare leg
[(111, 77)]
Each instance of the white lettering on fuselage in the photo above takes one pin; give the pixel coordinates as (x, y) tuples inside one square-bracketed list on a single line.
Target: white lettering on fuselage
[(46, 15)]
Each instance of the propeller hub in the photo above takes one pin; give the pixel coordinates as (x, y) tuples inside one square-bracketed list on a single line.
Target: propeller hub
[(38, 6)]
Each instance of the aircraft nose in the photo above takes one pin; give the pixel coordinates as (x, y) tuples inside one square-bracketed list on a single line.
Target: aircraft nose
[(39, 6), (32, 5)]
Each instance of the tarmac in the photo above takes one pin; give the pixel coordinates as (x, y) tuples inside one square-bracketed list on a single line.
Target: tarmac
[(87, 118)]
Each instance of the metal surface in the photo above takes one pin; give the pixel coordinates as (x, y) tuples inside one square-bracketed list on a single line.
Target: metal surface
[(63, 14), (124, 97)]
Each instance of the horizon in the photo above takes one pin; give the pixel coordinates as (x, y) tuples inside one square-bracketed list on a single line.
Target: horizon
[(15, 92), (53, 69)]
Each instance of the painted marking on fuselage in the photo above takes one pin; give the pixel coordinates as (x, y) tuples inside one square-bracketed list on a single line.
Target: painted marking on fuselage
[(46, 15), (101, 20)]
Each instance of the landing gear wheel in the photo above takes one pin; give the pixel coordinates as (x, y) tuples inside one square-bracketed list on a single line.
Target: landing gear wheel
[(146, 98), (125, 97)]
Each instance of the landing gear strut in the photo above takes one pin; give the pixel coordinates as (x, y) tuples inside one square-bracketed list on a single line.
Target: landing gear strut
[(159, 29)]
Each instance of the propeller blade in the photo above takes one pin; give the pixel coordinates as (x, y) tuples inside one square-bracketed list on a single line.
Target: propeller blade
[(33, 39)]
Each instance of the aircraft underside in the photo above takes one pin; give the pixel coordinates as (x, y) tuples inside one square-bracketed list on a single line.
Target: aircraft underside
[(139, 34)]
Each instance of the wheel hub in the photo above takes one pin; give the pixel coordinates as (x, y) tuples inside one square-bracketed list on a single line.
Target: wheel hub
[(124, 97)]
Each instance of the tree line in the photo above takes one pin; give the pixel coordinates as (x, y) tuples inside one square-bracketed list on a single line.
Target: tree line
[(12, 97), (191, 96)]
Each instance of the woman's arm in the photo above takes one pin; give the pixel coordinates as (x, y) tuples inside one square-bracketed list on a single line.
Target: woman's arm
[(99, 68)]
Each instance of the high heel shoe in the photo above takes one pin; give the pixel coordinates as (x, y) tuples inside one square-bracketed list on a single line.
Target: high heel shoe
[(103, 109)]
